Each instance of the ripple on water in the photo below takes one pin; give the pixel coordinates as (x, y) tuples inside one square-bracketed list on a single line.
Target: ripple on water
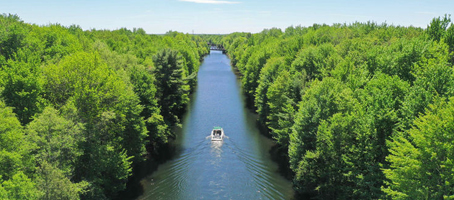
[(218, 157), (175, 174), (260, 172)]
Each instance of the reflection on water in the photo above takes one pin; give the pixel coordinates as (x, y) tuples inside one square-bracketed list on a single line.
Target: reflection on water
[(239, 167)]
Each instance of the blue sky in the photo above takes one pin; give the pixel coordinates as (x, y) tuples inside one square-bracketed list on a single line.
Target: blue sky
[(223, 16)]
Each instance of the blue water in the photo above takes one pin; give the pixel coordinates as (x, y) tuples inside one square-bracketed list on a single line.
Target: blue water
[(240, 167)]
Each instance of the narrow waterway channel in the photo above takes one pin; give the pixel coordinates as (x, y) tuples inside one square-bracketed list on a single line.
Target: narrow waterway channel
[(240, 167)]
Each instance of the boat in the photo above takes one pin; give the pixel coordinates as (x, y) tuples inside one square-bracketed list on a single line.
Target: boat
[(217, 134)]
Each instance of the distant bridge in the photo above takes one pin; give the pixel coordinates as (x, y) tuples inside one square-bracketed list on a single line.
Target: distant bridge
[(216, 47)]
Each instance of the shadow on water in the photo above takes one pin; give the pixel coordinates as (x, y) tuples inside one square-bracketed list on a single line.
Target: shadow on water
[(134, 188), (278, 153), (279, 156), (166, 152)]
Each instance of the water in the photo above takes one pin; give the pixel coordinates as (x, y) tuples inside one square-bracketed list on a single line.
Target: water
[(240, 167)]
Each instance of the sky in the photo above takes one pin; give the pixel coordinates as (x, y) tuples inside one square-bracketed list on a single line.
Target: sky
[(223, 16)]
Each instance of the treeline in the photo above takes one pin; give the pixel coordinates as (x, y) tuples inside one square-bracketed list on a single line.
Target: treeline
[(78, 109), (361, 111)]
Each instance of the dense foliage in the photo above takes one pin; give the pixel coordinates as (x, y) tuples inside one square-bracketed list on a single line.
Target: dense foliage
[(361, 111), (78, 109)]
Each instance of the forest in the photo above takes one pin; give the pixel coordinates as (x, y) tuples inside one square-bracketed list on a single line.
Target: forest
[(79, 109), (360, 111)]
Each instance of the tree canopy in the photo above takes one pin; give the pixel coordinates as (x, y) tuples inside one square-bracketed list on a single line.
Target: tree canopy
[(361, 110), (80, 108)]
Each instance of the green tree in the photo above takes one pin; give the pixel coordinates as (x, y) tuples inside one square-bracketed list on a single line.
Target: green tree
[(341, 165), (421, 166), (13, 149), (113, 133), (433, 78), (383, 96), (56, 139), (267, 76), (14, 159), (23, 85), (316, 61), (58, 42), (144, 87), (449, 39), (437, 28), (56, 151), (251, 73), (19, 187), (12, 35), (319, 103), (282, 96), (172, 90), (55, 184)]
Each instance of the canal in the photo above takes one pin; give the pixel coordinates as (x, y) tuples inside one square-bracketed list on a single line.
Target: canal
[(240, 167)]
